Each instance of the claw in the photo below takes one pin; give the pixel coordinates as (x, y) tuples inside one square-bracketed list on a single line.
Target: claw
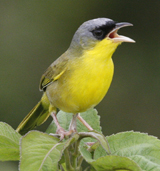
[(90, 143), (62, 133)]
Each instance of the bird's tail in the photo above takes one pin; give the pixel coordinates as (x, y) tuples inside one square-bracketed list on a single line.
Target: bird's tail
[(36, 116)]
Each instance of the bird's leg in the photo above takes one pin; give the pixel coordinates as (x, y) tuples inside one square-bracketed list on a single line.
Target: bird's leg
[(73, 125), (84, 122), (72, 128), (60, 131)]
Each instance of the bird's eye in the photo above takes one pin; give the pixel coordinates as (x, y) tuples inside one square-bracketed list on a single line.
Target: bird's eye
[(99, 34)]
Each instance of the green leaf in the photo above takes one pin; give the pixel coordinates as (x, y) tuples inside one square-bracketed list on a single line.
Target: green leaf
[(41, 152), (83, 149), (64, 166), (92, 169), (109, 162), (115, 163), (9, 143), (140, 147), (64, 119)]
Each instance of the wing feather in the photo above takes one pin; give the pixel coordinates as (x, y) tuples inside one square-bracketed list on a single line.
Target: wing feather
[(54, 72)]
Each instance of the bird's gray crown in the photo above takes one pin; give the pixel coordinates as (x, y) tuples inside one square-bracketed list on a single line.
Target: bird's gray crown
[(86, 36)]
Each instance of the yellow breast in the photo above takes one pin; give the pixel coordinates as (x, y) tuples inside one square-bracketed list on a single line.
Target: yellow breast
[(86, 81)]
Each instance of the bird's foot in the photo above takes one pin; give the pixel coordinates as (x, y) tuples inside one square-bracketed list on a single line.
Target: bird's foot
[(60, 132)]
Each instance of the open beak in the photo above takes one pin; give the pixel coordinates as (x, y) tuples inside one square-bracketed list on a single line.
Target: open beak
[(113, 35)]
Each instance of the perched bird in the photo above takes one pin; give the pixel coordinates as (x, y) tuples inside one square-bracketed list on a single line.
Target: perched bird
[(79, 79)]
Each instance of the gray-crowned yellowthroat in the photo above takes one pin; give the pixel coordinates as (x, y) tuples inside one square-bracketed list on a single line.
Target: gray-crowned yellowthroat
[(79, 79)]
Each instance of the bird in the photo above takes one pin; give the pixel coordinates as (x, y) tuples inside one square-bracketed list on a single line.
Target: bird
[(79, 79)]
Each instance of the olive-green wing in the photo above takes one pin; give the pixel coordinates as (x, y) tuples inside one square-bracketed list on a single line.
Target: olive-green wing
[(53, 72)]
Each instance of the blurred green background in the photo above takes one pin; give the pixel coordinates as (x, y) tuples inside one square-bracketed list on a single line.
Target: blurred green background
[(34, 33)]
